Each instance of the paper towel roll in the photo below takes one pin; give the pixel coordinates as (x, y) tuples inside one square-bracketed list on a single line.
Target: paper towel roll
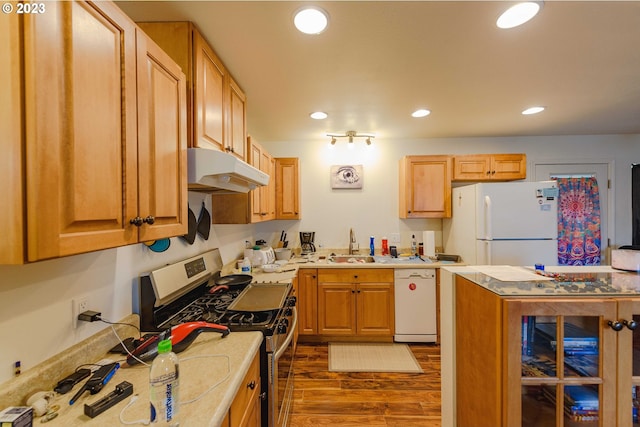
[(429, 243)]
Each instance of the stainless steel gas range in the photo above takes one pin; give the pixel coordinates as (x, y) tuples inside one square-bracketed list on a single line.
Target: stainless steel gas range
[(187, 291)]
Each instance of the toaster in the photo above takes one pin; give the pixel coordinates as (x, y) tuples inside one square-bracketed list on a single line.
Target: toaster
[(264, 255)]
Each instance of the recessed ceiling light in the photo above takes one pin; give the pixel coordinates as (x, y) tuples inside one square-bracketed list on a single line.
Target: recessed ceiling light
[(420, 113), (533, 110), (318, 115), (311, 20), (518, 14)]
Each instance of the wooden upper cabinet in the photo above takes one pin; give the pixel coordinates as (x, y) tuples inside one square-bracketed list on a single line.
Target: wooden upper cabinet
[(162, 141), (263, 198), (489, 167), (216, 103), (79, 145), (287, 188), (237, 120), (209, 97), (80, 134), (425, 187)]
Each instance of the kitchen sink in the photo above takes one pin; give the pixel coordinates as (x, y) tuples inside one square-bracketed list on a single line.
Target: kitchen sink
[(353, 259)]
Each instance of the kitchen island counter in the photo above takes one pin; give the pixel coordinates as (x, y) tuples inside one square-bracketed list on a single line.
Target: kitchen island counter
[(568, 282), (211, 372)]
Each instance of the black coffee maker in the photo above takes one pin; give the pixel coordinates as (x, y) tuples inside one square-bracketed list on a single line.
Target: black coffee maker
[(306, 242)]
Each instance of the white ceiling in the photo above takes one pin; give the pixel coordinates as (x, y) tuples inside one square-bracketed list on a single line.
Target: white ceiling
[(380, 60)]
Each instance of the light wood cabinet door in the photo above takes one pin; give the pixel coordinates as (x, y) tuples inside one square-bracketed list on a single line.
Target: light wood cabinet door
[(245, 408), (307, 304), (336, 309), (267, 192), (162, 142), (80, 129), (375, 309), (287, 179), (489, 167), (262, 202), (238, 118), (425, 187), (209, 96), (12, 222)]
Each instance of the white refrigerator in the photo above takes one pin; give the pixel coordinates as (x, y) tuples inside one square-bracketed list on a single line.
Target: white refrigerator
[(503, 223)]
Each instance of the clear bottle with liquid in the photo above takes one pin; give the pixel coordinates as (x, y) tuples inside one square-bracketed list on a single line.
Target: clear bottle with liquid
[(164, 387), (414, 245)]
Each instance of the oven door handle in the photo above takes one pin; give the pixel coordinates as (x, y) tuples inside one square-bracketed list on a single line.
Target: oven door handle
[(290, 335)]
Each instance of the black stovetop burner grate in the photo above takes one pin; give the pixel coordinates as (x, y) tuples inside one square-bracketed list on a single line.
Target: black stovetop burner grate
[(213, 308)]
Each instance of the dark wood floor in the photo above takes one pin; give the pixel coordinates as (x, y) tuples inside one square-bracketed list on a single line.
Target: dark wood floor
[(339, 399)]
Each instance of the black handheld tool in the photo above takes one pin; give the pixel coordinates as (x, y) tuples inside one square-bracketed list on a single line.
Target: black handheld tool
[(99, 378), (121, 391), (66, 384)]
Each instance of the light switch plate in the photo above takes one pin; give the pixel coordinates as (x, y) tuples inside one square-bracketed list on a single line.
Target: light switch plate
[(394, 238)]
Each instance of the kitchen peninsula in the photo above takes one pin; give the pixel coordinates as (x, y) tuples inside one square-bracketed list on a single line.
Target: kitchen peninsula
[(502, 340)]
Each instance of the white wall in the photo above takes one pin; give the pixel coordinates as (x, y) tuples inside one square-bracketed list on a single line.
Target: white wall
[(374, 209), (36, 319), (35, 299)]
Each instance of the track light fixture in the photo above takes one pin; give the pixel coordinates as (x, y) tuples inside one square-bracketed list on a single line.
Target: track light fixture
[(351, 134)]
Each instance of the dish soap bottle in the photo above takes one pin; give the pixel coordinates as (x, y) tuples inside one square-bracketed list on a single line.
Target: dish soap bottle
[(245, 268), (163, 381), (414, 246), (372, 248)]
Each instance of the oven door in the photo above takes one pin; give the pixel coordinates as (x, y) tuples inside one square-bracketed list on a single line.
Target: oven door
[(281, 377)]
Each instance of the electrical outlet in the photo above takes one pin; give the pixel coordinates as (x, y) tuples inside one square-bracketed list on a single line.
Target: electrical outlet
[(394, 238), (78, 305)]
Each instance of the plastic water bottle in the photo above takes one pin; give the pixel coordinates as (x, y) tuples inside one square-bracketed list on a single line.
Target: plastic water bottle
[(372, 247), (245, 268), (163, 380)]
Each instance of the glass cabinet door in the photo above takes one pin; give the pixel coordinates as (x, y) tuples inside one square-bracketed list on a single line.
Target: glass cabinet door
[(629, 362), (561, 367)]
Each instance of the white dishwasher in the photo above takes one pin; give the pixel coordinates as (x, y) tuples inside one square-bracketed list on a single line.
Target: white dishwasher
[(415, 304)]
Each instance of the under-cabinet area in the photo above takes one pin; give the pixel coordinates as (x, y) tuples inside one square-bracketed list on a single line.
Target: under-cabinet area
[(557, 360)]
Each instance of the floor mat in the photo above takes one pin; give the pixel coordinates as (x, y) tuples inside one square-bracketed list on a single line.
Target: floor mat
[(369, 357)]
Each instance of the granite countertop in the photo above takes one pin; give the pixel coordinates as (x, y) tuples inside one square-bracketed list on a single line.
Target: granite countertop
[(316, 261), (211, 371), (564, 282)]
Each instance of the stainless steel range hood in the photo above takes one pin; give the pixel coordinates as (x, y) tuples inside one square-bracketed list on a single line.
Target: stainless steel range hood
[(217, 171)]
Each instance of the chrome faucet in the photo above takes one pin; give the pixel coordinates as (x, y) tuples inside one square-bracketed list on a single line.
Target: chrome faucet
[(353, 246)]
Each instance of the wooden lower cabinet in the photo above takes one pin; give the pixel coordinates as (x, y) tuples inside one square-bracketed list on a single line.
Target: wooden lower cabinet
[(534, 362), (245, 408), (356, 302), (307, 303)]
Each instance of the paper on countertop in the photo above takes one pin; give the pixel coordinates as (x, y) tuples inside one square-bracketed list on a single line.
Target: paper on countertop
[(508, 273)]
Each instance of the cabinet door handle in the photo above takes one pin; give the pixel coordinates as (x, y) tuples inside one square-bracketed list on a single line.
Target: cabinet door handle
[(615, 325), (631, 324), (137, 221), (251, 385), (149, 220)]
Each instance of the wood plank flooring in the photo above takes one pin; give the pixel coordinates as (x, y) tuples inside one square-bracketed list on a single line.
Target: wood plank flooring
[(344, 399)]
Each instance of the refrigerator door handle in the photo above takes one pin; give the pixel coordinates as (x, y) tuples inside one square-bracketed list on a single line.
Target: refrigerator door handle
[(487, 218)]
